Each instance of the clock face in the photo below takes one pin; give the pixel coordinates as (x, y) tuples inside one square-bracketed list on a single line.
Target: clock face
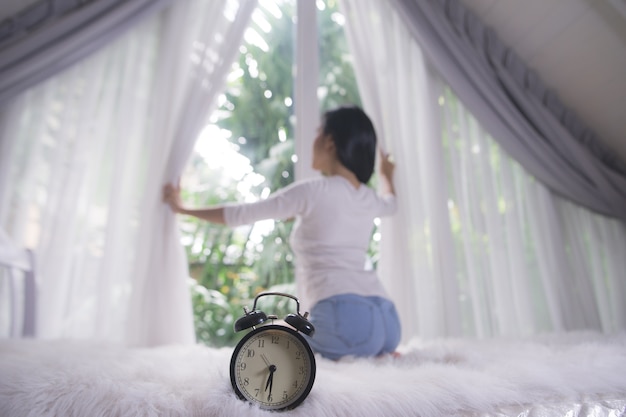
[(274, 367)]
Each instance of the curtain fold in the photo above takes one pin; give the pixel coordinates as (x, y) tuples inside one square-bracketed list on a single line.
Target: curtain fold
[(202, 70), (84, 157), (510, 101), (71, 179), (47, 37), (478, 247), (414, 265)]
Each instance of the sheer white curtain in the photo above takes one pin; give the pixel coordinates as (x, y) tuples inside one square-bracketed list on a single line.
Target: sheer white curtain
[(478, 247), (400, 93), (83, 159), (211, 33), (71, 158), (528, 260)]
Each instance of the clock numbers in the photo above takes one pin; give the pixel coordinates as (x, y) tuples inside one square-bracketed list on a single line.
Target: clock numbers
[(275, 340), (242, 366), (261, 343), (251, 353)]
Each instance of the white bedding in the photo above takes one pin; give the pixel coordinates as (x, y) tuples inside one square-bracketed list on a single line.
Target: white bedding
[(574, 374)]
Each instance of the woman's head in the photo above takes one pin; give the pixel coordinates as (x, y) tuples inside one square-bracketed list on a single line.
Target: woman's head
[(354, 139)]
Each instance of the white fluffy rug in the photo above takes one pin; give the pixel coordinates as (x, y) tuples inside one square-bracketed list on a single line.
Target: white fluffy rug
[(538, 376)]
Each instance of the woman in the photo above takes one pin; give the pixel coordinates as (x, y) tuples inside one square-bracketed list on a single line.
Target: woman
[(334, 216)]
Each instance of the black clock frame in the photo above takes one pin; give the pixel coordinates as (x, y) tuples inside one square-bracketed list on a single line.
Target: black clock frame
[(264, 328)]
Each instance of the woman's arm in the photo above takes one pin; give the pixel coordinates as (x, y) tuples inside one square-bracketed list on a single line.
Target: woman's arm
[(171, 196), (387, 168)]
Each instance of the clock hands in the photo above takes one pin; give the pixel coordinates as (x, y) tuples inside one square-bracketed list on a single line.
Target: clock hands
[(270, 378), (265, 360)]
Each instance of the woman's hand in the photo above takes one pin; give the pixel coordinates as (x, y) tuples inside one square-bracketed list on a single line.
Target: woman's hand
[(387, 165), (171, 196), (387, 168)]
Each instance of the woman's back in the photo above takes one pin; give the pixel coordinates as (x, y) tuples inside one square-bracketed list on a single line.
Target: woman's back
[(333, 229)]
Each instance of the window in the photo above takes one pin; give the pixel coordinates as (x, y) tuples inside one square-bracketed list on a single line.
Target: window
[(248, 151)]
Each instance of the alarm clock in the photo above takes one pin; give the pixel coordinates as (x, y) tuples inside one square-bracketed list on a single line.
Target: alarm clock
[(273, 365)]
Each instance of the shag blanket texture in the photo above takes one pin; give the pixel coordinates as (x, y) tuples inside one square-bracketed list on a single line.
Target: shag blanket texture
[(431, 378)]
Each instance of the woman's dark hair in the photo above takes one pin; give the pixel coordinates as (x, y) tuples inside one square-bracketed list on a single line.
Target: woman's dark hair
[(355, 139)]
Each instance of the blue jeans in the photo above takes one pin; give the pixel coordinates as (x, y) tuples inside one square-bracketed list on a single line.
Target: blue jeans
[(350, 324)]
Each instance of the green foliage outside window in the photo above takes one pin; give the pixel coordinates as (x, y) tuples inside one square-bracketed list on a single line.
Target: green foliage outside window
[(230, 267)]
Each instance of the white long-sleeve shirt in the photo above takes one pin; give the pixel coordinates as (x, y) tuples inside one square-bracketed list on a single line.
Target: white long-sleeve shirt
[(331, 234)]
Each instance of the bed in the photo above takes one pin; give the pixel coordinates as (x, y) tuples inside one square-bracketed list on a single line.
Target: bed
[(573, 374)]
